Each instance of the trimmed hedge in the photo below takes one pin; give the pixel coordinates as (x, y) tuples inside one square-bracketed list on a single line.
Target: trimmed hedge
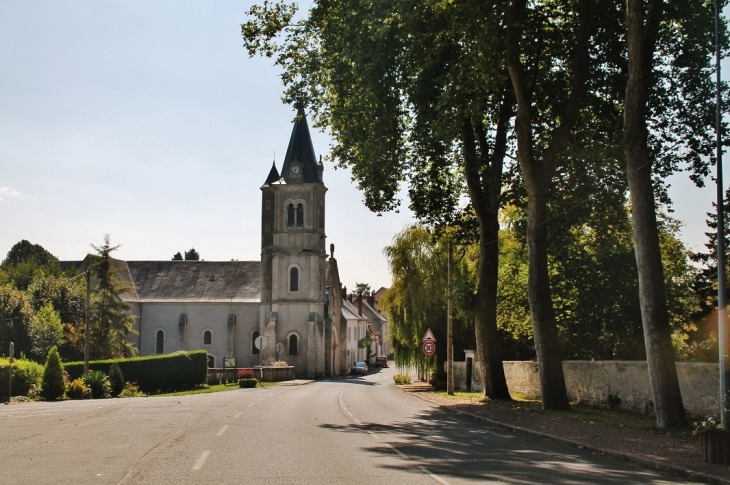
[(26, 373), (156, 373)]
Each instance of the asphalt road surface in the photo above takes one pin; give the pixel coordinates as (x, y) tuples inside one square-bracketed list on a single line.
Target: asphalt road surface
[(340, 431)]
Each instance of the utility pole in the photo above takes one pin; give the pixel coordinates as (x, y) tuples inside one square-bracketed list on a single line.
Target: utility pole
[(721, 304), (86, 331), (449, 331)]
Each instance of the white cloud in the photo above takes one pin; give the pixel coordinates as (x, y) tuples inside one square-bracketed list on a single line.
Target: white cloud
[(7, 191)]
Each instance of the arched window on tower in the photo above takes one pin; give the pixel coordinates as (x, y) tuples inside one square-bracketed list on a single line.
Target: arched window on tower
[(293, 345), (300, 215), (320, 217), (294, 279), (290, 215)]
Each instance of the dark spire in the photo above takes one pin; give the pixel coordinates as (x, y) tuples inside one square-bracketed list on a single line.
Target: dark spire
[(273, 175), (301, 149)]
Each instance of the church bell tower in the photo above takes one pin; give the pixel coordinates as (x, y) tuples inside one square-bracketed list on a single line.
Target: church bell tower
[(293, 257)]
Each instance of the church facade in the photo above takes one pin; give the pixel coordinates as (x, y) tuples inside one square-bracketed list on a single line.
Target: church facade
[(292, 297)]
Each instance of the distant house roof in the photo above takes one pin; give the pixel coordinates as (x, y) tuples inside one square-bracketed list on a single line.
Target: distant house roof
[(196, 281)]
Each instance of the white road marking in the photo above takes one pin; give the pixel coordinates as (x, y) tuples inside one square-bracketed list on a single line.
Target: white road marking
[(201, 461), (480, 431), (377, 438), (238, 415), (223, 430)]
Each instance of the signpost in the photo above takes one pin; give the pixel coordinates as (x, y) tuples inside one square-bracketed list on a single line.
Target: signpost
[(429, 348), (260, 344)]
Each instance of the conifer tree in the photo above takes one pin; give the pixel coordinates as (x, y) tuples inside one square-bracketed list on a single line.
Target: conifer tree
[(116, 380), (112, 323), (53, 386)]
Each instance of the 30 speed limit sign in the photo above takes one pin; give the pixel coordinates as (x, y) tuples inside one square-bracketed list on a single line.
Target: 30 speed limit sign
[(429, 347)]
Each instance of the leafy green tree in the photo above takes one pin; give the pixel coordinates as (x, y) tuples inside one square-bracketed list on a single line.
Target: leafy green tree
[(53, 386), (416, 300), (192, 255), (68, 297), (46, 330), (25, 261), (177, 256), (15, 318), (410, 91), (112, 323)]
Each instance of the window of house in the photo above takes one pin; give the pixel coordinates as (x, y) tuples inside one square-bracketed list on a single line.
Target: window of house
[(160, 342), (300, 215), (254, 336), (293, 345), (349, 333), (207, 337), (294, 279), (290, 215)]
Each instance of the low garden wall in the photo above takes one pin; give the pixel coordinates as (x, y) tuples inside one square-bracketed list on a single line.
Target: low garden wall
[(619, 384), (265, 373)]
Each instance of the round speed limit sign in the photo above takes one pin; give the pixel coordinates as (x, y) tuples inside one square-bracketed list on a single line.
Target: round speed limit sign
[(429, 348)]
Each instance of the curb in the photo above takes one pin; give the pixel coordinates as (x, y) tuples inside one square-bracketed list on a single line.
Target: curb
[(628, 457)]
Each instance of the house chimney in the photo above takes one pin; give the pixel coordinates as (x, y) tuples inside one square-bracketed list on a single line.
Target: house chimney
[(344, 292), (371, 300), (359, 304)]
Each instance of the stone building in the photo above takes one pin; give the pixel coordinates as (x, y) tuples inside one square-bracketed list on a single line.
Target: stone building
[(292, 296)]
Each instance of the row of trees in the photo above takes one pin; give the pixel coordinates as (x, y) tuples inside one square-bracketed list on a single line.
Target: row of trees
[(541, 106), (43, 305)]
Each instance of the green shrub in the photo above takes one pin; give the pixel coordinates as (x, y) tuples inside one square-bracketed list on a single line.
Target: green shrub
[(53, 386), (26, 374), (248, 382), (401, 379), (97, 383), (116, 380), (171, 372), (131, 390), (76, 389)]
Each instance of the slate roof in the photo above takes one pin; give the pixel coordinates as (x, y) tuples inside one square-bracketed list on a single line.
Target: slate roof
[(300, 146), (196, 281), (273, 175)]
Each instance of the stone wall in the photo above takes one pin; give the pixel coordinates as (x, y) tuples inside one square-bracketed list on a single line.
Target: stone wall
[(627, 383)]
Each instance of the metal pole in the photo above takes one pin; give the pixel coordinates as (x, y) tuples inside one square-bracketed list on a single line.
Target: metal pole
[(450, 332), (721, 304), (86, 331), (10, 372)]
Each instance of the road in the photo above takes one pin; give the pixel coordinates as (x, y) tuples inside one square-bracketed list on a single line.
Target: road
[(352, 431)]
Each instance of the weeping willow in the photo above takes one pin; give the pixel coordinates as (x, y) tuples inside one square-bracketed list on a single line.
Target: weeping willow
[(416, 301)]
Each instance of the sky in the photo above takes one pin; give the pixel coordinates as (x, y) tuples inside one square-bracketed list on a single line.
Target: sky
[(148, 121)]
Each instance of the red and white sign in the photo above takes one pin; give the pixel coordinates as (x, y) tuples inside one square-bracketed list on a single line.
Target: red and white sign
[(429, 347), (429, 336)]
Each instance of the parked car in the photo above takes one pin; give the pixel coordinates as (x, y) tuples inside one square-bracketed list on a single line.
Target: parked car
[(381, 361), (359, 368)]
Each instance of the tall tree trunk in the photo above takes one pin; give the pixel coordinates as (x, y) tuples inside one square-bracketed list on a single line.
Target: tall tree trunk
[(641, 40), (483, 172), (537, 172)]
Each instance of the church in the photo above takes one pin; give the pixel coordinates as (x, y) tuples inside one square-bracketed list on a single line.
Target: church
[(292, 297)]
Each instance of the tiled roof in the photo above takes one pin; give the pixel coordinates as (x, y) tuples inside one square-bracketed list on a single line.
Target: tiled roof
[(196, 281)]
